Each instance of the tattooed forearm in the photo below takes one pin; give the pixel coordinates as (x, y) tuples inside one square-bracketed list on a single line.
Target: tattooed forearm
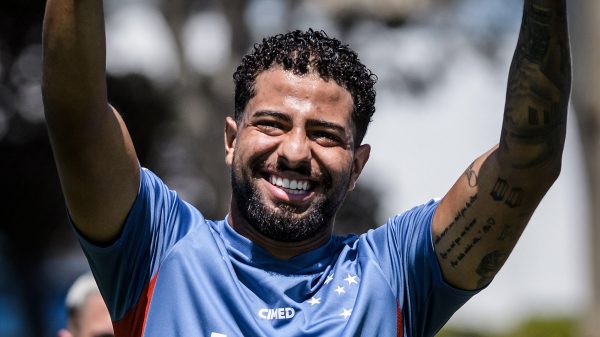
[(538, 87), (536, 32)]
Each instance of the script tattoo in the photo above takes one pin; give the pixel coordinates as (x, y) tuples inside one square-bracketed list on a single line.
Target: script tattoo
[(460, 215), (486, 228), (489, 266), (456, 242)]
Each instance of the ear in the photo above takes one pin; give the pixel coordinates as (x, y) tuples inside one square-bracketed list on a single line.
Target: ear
[(230, 139), (361, 156)]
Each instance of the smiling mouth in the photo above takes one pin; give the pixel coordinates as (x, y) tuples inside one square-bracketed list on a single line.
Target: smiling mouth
[(292, 186)]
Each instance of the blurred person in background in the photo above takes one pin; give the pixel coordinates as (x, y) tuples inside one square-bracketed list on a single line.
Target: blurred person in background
[(87, 312), (272, 267)]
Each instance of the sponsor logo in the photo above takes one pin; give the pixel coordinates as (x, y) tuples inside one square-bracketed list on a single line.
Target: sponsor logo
[(277, 313)]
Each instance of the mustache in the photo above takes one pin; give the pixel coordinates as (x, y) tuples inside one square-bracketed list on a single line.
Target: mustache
[(303, 168)]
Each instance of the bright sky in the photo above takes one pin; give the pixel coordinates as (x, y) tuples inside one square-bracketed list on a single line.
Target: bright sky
[(421, 143)]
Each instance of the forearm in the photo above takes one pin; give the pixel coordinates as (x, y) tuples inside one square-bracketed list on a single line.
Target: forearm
[(74, 86), (538, 91)]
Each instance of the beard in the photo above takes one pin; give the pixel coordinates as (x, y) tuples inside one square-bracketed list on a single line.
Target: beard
[(285, 222)]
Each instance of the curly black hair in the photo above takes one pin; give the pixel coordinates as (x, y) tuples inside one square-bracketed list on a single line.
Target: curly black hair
[(302, 52)]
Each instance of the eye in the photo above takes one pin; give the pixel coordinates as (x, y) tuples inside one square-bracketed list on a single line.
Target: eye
[(269, 126), (326, 138)]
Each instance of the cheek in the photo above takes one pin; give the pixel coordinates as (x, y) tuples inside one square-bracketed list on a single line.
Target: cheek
[(254, 148), (338, 163)]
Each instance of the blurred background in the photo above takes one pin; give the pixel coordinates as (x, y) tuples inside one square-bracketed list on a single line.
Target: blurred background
[(442, 67)]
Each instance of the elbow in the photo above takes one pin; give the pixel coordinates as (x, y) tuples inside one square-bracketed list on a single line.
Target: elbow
[(542, 164)]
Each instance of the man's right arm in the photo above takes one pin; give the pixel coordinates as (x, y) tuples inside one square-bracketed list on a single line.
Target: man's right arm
[(94, 154)]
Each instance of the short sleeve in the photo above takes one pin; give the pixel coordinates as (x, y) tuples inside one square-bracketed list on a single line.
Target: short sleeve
[(406, 253), (157, 220)]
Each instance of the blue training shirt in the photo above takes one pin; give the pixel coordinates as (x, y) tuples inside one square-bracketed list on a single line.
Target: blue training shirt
[(174, 273)]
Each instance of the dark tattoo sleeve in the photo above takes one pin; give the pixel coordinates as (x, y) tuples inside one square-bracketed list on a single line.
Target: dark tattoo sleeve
[(538, 87), (499, 191)]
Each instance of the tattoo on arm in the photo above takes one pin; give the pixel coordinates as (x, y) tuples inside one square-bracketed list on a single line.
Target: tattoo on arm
[(454, 244), (536, 39), (471, 175), (538, 87), (479, 239), (459, 216), (489, 266), (511, 196)]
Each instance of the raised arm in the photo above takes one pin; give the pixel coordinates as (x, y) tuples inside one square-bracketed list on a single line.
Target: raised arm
[(94, 154), (481, 218)]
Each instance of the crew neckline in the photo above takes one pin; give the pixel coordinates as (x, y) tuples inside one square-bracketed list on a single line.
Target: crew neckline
[(242, 248)]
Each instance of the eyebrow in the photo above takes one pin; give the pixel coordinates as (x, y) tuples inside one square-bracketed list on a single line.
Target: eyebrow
[(311, 122), (274, 114), (328, 125)]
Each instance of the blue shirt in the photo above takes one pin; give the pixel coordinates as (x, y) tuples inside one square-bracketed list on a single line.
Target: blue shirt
[(174, 273)]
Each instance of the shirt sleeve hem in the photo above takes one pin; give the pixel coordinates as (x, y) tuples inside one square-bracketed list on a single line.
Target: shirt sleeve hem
[(107, 247)]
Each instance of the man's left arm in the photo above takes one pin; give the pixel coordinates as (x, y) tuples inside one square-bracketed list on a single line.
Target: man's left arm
[(479, 221)]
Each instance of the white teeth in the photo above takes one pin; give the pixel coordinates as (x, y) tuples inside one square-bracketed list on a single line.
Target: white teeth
[(294, 186)]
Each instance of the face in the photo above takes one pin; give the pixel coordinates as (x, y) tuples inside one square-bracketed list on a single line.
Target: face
[(293, 157), (94, 319)]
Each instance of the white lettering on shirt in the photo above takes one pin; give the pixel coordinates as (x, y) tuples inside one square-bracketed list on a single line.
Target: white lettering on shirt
[(277, 313)]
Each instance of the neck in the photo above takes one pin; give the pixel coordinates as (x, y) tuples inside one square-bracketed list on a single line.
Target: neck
[(279, 249)]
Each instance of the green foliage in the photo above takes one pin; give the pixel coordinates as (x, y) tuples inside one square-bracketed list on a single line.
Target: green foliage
[(547, 327), (533, 327), (458, 332)]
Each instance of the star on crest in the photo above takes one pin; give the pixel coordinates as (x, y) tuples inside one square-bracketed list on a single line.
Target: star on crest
[(346, 313), (329, 278), (351, 279), (340, 290), (314, 300)]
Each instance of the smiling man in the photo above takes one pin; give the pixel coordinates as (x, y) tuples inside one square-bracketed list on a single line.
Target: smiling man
[(294, 155), (272, 267)]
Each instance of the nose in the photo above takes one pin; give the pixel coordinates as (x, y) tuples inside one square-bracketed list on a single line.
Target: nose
[(294, 150)]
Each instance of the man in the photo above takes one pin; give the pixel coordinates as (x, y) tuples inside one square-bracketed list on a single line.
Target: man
[(272, 267), (88, 316)]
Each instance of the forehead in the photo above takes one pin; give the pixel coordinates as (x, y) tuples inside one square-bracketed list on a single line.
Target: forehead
[(288, 92), (94, 315)]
